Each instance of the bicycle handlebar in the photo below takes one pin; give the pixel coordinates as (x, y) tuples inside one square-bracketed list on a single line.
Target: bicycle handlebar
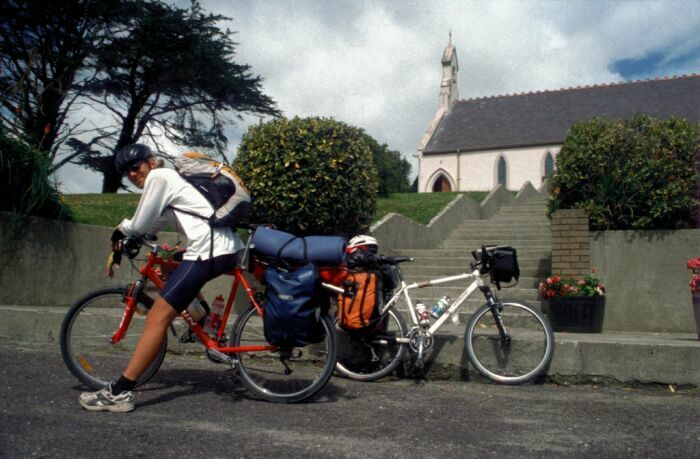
[(130, 246), (387, 260)]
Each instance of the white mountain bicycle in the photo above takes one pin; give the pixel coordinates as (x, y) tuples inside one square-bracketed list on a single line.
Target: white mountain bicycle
[(507, 341)]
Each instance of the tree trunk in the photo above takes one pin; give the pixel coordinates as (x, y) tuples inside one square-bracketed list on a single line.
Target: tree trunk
[(112, 181)]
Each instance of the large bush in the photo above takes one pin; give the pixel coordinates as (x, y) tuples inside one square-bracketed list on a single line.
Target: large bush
[(635, 174), (25, 183), (309, 176)]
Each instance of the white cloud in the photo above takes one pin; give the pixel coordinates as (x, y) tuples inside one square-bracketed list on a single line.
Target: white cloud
[(376, 64)]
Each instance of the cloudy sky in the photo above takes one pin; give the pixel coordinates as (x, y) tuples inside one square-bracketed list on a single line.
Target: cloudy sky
[(376, 64)]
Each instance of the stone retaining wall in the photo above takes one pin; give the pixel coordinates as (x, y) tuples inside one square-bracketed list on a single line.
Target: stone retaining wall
[(643, 272), (55, 263), (646, 279)]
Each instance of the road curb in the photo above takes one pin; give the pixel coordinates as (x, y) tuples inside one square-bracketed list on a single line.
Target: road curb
[(607, 359)]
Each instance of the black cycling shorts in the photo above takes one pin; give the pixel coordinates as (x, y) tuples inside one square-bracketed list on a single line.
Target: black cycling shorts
[(188, 279)]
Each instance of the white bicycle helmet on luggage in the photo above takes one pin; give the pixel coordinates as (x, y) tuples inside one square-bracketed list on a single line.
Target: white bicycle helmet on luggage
[(362, 242)]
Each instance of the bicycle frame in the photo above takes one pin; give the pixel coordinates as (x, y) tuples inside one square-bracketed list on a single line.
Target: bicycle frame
[(478, 283), (147, 272)]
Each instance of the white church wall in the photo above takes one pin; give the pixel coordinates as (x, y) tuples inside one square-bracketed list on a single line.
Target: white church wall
[(525, 165), (478, 171), (432, 165)]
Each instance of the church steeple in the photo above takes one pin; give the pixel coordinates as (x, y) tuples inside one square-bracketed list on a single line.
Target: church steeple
[(448, 87), (448, 92)]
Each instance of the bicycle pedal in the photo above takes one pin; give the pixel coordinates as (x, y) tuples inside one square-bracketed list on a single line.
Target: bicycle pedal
[(218, 357)]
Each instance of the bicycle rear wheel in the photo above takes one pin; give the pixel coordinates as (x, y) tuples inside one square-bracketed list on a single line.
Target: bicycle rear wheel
[(523, 356), (283, 376), (86, 335), (372, 354)]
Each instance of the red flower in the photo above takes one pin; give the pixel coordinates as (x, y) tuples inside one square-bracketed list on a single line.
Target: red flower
[(695, 284), (694, 264), (559, 286)]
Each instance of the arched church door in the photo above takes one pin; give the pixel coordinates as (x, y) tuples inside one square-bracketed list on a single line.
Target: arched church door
[(441, 185)]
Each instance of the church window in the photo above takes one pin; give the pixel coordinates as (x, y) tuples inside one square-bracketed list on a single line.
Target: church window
[(548, 165), (502, 171)]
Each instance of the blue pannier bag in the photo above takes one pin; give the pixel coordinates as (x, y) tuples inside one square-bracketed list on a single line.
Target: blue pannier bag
[(324, 250), (292, 313)]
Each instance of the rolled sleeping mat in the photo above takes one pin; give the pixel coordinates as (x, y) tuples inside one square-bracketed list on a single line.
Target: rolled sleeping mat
[(324, 250)]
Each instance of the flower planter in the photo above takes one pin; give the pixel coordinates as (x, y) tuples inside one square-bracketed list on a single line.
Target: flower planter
[(694, 266), (696, 307), (579, 314)]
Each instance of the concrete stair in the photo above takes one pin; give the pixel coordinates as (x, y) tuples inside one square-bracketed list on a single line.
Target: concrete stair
[(607, 358), (524, 226)]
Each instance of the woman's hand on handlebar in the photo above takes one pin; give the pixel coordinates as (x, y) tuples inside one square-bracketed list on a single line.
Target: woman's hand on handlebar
[(113, 262), (123, 245), (117, 237)]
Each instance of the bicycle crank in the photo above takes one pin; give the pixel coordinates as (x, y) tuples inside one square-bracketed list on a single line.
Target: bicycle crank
[(219, 357), (420, 342)]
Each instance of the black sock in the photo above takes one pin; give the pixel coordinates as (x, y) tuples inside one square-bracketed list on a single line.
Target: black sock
[(122, 385)]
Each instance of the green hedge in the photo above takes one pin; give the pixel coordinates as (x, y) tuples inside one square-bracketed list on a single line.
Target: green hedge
[(309, 176), (635, 174)]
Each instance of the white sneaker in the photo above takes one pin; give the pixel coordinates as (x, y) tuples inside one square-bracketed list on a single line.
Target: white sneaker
[(104, 400)]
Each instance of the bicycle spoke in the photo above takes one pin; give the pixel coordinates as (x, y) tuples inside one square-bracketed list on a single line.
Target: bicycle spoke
[(300, 375), (86, 336), (365, 357), (521, 358)]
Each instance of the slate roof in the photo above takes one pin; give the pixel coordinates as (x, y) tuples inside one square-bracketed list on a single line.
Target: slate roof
[(544, 118)]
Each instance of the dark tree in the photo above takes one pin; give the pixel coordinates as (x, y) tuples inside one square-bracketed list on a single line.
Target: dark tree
[(393, 170), (171, 72), (43, 48)]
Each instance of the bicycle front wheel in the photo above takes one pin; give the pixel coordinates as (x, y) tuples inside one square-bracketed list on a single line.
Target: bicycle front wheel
[(522, 355), (283, 376), (86, 335), (372, 354)]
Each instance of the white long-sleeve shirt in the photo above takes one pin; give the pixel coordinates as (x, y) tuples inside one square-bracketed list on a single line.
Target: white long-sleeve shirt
[(164, 188)]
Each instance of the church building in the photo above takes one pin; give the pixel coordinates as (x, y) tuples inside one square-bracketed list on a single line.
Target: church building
[(477, 144)]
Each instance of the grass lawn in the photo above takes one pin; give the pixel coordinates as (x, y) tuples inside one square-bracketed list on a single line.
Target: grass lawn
[(421, 207), (101, 209), (109, 209)]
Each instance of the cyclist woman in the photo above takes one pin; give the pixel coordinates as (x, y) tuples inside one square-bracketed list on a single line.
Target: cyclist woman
[(166, 198)]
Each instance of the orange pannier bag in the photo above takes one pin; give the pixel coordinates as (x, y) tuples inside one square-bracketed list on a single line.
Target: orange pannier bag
[(361, 309)]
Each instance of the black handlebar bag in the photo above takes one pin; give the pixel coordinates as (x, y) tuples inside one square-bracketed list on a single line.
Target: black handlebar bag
[(292, 311), (504, 264)]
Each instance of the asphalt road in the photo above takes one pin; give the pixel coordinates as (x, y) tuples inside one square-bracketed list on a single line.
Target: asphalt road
[(195, 409)]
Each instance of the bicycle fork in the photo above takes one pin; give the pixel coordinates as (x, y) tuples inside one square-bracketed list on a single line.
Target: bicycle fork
[(496, 309)]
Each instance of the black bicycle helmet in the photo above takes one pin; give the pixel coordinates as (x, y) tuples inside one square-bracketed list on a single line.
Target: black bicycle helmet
[(130, 154)]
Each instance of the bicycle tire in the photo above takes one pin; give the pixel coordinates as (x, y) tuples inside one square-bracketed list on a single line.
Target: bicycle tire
[(86, 333), (263, 373), (529, 352), (367, 356)]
